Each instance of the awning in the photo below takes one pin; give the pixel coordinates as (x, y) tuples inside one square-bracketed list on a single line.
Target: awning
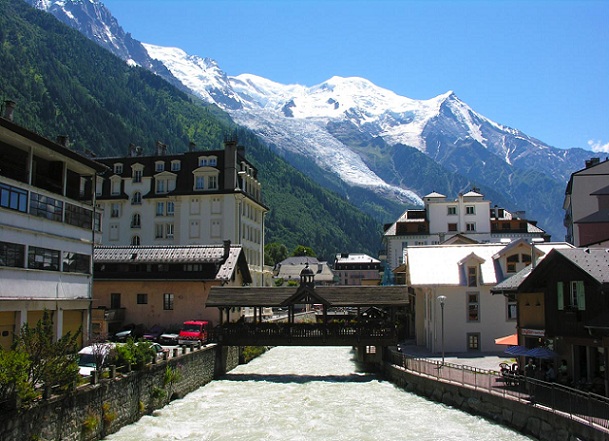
[(510, 340), (517, 350)]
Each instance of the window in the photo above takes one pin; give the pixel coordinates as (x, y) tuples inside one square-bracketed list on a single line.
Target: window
[(512, 307), (118, 169), (12, 254), (115, 300), (159, 166), (452, 210), (212, 183), (473, 307), (167, 301), (136, 199), (158, 231), (175, 165), (44, 206), (161, 186), (135, 240), (78, 216), (526, 259), (203, 162), (200, 183), (473, 341), (76, 263), (193, 267), (116, 187), (577, 297), (216, 228), (113, 231), (136, 221), (511, 263), (470, 209), (452, 227), (142, 299), (115, 210), (169, 231), (213, 161), (43, 259), (170, 208), (137, 176), (472, 276), (13, 198), (194, 229), (160, 208), (195, 207), (470, 226)]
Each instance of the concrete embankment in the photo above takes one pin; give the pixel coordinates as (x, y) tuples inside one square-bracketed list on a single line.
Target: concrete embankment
[(94, 411), (523, 417)]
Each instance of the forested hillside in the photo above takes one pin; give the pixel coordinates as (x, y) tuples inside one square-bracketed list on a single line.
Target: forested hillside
[(65, 84)]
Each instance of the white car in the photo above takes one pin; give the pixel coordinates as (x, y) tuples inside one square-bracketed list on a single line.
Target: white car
[(87, 357)]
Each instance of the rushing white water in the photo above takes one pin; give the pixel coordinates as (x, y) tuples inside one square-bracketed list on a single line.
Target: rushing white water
[(308, 393)]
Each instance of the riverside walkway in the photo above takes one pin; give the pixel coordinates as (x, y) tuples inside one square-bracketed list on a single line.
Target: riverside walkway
[(483, 373)]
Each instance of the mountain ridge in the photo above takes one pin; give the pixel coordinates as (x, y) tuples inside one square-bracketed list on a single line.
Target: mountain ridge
[(304, 123)]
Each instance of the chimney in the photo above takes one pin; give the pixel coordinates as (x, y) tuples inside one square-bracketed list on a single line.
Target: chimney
[(226, 250), (592, 161), (192, 146), (161, 149), (132, 150), (63, 140), (230, 163), (9, 107)]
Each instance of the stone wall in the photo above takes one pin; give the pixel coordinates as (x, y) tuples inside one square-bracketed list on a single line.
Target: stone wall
[(529, 420), (94, 411)]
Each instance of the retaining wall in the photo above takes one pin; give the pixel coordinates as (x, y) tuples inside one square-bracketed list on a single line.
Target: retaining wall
[(522, 417), (94, 411)]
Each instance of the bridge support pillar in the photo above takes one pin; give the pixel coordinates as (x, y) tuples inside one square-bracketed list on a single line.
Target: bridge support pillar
[(370, 357)]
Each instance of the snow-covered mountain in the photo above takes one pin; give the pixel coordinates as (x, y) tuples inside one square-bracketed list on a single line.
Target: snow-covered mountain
[(366, 136)]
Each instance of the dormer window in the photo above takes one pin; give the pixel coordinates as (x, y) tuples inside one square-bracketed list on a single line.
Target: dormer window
[(203, 161), (161, 186), (159, 166), (176, 165), (116, 186), (213, 161), (136, 199), (137, 176), (118, 169), (472, 276)]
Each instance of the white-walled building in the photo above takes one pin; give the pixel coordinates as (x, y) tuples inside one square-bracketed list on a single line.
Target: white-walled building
[(190, 198), (464, 274), (586, 205), (357, 269), (46, 232), (470, 216)]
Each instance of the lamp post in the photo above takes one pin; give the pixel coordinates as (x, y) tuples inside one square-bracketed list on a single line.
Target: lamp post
[(442, 300)]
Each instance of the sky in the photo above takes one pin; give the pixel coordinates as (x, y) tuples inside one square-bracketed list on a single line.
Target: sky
[(539, 66)]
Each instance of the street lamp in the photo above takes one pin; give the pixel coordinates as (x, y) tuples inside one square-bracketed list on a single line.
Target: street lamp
[(442, 300)]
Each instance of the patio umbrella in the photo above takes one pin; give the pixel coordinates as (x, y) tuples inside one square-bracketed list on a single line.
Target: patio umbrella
[(509, 340), (517, 350), (541, 352)]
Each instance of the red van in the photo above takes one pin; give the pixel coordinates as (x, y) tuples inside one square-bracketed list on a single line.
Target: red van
[(194, 331)]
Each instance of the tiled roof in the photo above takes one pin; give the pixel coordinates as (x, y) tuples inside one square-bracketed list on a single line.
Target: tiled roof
[(594, 261)]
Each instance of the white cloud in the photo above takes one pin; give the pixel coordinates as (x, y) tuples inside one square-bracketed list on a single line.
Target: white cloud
[(598, 146)]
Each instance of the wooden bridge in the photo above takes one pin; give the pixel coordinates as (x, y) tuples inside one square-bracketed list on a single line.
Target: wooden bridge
[(344, 315)]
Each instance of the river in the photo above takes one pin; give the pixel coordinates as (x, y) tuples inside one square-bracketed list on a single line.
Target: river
[(308, 393)]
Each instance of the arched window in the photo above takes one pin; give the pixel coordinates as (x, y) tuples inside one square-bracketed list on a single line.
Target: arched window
[(136, 199), (136, 221), (135, 240)]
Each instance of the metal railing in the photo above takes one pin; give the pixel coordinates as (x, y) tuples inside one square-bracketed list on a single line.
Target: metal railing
[(583, 406)]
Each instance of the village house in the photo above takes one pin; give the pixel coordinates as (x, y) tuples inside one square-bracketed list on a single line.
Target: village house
[(357, 269), (450, 286), (161, 285)]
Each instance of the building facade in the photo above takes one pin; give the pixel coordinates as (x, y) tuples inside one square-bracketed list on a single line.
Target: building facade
[(191, 198), (469, 216), (357, 269), (586, 204), (161, 285), (456, 280), (48, 227)]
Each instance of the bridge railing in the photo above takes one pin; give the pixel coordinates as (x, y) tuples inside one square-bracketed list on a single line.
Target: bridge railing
[(580, 405), (283, 332)]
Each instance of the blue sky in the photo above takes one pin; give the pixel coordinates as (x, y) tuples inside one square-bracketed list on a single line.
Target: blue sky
[(538, 66)]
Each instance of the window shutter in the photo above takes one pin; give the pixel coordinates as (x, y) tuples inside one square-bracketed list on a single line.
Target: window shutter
[(560, 295), (581, 296)]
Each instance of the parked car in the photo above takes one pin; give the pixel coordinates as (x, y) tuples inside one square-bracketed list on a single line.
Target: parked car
[(89, 357), (130, 331), (169, 338), (160, 351), (154, 333)]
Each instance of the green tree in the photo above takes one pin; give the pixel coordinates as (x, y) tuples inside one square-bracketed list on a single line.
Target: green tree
[(302, 250), (274, 253), (53, 363), (14, 368)]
